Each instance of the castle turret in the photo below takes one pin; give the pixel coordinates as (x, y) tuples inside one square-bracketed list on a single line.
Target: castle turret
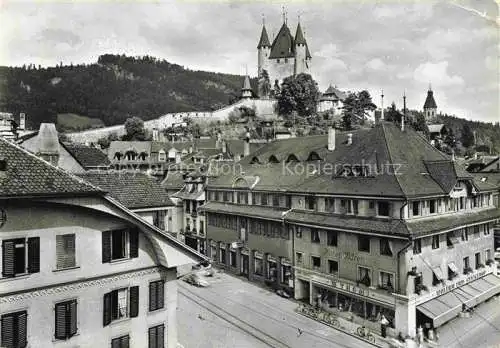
[(263, 50), (430, 107), (246, 91), (300, 52)]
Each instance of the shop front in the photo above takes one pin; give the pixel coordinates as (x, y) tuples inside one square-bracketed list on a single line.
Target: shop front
[(244, 262)]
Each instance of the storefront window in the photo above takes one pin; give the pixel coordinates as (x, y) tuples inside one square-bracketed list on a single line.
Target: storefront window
[(222, 258), (232, 258), (271, 269), (258, 266), (286, 274)]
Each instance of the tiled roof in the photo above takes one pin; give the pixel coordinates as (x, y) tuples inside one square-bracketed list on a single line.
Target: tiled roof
[(124, 146), (264, 38), (488, 178), (368, 224), (133, 189), (430, 103), (333, 93), (236, 146), (430, 225), (269, 213), (156, 146), (86, 156), (28, 175), (173, 181), (398, 160)]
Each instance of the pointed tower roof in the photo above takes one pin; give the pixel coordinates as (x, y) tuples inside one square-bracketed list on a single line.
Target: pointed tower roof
[(430, 103), (264, 38), (283, 44), (246, 84), (299, 36)]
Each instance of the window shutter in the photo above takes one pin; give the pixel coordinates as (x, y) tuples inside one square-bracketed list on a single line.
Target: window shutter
[(160, 336), (60, 314), (152, 296), (34, 255), (7, 259), (65, 251), (22, 323), (106, 312), (114, 304), (152, 337), (8, 331), (59, 252), (134, 243), (134, 301), (73, 318), (160, 295), (106, 246)]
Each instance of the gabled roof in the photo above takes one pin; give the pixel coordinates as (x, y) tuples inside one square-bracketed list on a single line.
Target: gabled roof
[(333, 93), (29, 175), (87, 156), (173, 181), (133, 189), (430, 103), (264, 38)]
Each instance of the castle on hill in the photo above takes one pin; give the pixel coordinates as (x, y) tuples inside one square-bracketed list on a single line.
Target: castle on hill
[(288, 55)]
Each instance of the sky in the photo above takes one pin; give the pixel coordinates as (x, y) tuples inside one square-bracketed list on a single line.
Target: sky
[(395, 46)]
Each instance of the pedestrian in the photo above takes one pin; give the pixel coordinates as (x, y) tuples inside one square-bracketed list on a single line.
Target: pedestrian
[(383, 325), (299, 332)]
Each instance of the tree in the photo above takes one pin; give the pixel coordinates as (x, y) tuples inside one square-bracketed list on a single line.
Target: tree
[(392, 114), (104, 142), (298, 93), (420, 125), (355, 108), (134, 128), (264, 84), (467, 137)]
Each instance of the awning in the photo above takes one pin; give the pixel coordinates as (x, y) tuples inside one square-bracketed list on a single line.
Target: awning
[(445, 307), (453, 268), (438, 273)]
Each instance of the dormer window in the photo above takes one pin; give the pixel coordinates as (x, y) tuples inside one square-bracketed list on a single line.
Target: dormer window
[(313, 156), (3, 165), (255, 160), (354, 171), (273, 159), (292, 158)]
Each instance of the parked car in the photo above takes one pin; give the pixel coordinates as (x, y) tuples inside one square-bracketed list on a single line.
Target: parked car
[(196, 280)]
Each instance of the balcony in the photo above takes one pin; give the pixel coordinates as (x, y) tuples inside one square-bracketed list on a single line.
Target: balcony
[(194, 214)]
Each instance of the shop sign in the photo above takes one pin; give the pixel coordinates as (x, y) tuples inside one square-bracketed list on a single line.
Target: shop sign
[(341, 286), (258, 254), (458, 283)]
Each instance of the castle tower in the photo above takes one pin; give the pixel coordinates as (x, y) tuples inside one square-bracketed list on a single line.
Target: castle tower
[(263, 50), (246, 91), (430, 107), (300, 52)]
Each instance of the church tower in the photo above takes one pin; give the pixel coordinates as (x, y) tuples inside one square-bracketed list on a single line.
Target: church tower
[(263, 49), (430, 107)]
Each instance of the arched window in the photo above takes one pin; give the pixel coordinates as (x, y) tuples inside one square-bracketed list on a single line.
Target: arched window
[(313, 156), (292, 158), (273, 159), (131, 155), (143, 156), (118, 155)]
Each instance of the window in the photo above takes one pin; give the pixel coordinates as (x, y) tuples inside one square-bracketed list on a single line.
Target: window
[(162, 156), (385, 247), (465, 234), (383, 208), (333, 266), (416, 208), (435, 242), (222, 255), (298, 232), (486, 229), (310, 202), (119, 244), (263, 199), (466, 265), (242, 198), (488, 254), (417, 246), (371, 205), (330, 205), (17, 253), (159, 219), (315, 236), (120, 304), (418, 284), (156, 336), (288, 201), (450, 237), (232, 258), (156, 295), (66, 319), (331, 238), (352, 206), (65, 251), (298, 258), (452, 271), (276, 200), (386, 281), (14, 329), (364, 276), (477, 257), (476, 232), (120, 342), (432, 206), (364, 243), (316, 262)]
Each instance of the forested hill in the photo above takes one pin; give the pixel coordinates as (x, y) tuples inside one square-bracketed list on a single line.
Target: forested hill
[(113, 89)]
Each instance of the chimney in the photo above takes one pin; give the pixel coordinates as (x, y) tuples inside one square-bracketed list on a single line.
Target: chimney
[(191, 149), (246, 145), (331, 138), (22, 121), (403, 123), (453, 155), (48, 143), (224, 146), (349, 139), (382, 106)]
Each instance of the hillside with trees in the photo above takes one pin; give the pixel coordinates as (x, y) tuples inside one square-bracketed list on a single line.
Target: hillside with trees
[(113, 89)]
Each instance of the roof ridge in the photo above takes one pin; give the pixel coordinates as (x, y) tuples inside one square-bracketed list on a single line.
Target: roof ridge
[(390, 157), (80, 180)]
